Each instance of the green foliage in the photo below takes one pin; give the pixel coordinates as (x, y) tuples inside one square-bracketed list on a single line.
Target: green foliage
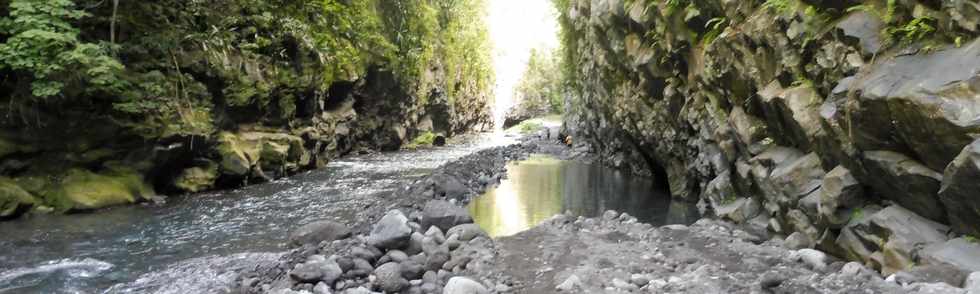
[(886, 14), (971, 239), (857, 214), (569, 39), (528, 126), (780, 6), (715, 27), (43, 45), (672, 6), (539, 90), (898, 32), (424, 139), (187, 63), (464, 45), (913, 31)]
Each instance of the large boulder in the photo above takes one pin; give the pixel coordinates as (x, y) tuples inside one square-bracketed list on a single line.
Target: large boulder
[(444, 215), (14, 200), (84, 190), (316, 269), (798, 178), (448, 186), (905, 181), (865, 27), (960, 191), (766, 164), (923, 102), (961, 253), (198, 178), (391, 232), (840, 193), (793, 115), (236, 157), (726, 202), (466, 232), (319, 231), (899, 234)]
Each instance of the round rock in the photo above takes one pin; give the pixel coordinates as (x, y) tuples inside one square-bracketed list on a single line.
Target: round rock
[(319, 231), (389, 278), (444, 215), (462, 285)]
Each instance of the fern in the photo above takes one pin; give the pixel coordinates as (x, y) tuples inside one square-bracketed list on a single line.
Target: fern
[(780, 6), (715, 27), (915, 30)]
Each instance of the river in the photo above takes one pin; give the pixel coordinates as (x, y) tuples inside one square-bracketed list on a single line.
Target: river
[(190, 243)]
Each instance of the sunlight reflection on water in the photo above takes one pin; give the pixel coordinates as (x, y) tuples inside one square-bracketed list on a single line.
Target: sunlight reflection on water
[(541, 186)]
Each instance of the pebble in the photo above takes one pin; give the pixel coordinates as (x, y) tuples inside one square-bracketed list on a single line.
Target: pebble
[(389, 277), (623, 285), (640, 279), (397, 256), (972, 284), (463, 285), (814, 258), (570, 283), (770, 280), (321, 288)]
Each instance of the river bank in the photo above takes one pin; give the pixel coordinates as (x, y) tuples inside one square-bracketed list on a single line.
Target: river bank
[(188, 244), (424, 243)]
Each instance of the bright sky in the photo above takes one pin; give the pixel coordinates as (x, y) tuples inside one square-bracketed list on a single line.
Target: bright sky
[(516, 26)]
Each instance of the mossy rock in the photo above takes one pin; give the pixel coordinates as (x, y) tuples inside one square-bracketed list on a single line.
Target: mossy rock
[(14, 200), (85, 190), (234, 160), (198, 178), (274, 154), (425, 139)]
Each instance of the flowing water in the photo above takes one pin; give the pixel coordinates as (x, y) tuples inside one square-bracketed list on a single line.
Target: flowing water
[(540, 187), (189, 244)]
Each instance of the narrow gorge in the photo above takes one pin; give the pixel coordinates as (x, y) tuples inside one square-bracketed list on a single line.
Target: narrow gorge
[(498, 146)]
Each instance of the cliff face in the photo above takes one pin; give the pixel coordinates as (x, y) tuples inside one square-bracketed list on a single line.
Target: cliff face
[(852, 124), (183, 96)]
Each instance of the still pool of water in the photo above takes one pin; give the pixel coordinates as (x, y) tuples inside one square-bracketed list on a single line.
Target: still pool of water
[(541, 186)]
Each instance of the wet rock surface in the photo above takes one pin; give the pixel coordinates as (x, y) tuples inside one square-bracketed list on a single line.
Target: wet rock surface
[(803, 120), (613, 253)]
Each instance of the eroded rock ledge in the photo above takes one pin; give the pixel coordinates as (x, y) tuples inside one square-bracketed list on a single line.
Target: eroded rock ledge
[(843, 125)]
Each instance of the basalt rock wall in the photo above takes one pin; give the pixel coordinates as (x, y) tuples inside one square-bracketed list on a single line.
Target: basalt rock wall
[(198, 95), (851, 126)]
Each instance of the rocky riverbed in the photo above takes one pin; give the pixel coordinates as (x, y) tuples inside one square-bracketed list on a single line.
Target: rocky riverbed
[(424, 241)]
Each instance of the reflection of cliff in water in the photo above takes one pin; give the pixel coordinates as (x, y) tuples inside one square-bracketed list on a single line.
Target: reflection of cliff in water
[(540, 187)]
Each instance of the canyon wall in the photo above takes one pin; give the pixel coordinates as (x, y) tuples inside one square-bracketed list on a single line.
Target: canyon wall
[(850, 126), (115, 102)]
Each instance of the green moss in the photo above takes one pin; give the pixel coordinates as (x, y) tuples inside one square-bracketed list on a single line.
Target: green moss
[(858, 214), (234, 160), (84, 190), (273, 153), (424, 139), (13, 199), (198, 178)]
